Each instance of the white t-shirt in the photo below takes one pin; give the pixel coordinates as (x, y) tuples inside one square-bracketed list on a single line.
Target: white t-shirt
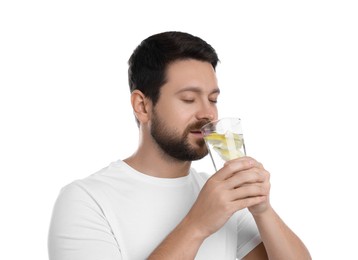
[(120, 213)]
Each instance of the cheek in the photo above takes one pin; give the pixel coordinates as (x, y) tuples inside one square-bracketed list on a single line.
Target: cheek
[(174, 109)]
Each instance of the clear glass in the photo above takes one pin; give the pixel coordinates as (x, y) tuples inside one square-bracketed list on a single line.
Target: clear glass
[(224, 139)]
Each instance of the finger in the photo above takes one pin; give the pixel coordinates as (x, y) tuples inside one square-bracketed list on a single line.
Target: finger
[(255, 162), (253, 175), (233, 166), (248, 202), (247, 191)]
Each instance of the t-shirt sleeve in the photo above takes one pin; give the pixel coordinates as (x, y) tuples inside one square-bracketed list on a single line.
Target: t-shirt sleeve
[(248, 234), (79, 229)]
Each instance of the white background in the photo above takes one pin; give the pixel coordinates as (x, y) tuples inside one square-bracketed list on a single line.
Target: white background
[(288, 69)]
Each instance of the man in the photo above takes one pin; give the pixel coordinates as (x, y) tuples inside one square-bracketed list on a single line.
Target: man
[(152, 205)]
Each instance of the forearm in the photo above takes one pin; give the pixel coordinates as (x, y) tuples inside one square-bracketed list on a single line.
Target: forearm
[(182, 243), (280, 242)]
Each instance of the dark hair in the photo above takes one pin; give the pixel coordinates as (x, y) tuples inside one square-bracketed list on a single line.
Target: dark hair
[(150, 60)]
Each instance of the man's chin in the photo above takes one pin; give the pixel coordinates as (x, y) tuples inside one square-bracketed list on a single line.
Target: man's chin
[(201, 156), (201, 153)]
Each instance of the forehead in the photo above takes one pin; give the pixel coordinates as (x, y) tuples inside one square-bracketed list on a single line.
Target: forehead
[(190, 73)]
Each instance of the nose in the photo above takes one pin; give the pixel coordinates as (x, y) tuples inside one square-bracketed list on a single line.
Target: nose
[(207, 112)]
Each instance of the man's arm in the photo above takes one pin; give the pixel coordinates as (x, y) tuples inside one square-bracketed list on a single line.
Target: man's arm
[(279, 240), (239, 184), (258, 253), (216, 203)]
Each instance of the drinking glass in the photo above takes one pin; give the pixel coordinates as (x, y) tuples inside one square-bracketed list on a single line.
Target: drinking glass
[(224, 139)]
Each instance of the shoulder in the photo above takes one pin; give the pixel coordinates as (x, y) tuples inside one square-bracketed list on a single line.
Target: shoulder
[(96, 188), (83, 191), (74, 200), (80, 201), (103, 177), (79, 227)]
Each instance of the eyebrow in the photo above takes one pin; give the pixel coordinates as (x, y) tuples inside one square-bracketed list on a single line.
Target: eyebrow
[(196, 90)]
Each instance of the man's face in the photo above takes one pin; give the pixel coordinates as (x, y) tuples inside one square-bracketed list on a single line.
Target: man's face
[(187, 101)]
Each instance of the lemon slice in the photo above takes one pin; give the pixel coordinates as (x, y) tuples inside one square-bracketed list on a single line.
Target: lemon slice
[(227, 145), (215, 138), (227, 154)]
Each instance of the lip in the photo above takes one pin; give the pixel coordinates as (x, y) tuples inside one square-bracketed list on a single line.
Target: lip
[(197, 133)]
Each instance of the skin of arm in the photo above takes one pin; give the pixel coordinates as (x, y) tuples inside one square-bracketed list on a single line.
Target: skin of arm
[(241, 183), (279, 241)]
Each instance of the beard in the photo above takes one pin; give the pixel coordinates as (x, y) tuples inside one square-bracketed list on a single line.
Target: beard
[(177, 145)]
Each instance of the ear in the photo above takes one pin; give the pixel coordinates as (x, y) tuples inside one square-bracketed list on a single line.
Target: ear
[(142, 106)]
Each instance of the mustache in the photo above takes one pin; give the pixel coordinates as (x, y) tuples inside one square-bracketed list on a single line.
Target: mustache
[(196, 126)]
